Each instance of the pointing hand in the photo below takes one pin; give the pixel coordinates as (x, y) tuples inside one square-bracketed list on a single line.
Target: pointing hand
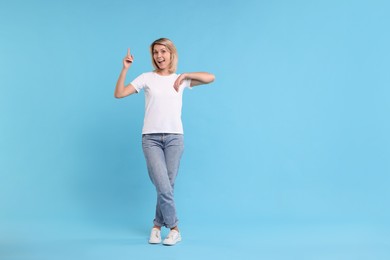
[(128, 60)]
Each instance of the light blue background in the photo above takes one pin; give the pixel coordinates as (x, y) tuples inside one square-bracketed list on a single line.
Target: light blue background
[(287, 152)]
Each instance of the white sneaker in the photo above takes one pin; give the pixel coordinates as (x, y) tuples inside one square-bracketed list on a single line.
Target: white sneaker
[(172, 238), (155, 236)]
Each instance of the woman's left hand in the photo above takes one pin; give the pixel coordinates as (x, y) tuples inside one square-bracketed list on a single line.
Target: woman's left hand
[(178, 81)]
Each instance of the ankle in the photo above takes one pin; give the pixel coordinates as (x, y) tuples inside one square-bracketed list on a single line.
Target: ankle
[(157, 227), (175, 228)]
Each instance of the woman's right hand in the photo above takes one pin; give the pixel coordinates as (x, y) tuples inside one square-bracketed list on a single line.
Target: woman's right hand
[(128, 60)]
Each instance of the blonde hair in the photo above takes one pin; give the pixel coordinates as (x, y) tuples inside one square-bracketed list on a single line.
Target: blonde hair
[(171, 48)]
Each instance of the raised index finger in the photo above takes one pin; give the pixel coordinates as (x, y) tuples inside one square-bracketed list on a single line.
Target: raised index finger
[(128, 52)]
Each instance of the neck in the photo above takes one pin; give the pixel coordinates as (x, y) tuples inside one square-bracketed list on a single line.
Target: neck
[(163, 72)]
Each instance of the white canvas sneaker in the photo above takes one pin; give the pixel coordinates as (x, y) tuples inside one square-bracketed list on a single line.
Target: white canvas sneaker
[(172, 238), (155, 236)]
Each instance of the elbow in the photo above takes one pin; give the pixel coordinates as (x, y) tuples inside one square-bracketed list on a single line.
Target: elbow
[(116, 95)]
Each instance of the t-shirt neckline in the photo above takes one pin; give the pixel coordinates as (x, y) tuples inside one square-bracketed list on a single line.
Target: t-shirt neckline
[(172, 74)]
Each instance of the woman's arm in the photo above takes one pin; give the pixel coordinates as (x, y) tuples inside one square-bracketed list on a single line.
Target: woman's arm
[(121, 90), (197, 78)]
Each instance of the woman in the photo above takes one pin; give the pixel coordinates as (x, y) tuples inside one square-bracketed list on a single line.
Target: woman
[(162, 133)]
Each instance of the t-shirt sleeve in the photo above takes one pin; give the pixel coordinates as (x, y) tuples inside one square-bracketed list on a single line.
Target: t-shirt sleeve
[(139, 82), (187, 83)]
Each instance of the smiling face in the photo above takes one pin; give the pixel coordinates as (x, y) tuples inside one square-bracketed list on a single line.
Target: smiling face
[(161, 57), (164, 56)]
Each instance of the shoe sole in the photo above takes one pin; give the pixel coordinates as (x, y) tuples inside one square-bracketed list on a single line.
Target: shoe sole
[(167, 244)]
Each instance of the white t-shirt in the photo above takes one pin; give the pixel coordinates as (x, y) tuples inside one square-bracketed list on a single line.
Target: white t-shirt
[(162, 102)]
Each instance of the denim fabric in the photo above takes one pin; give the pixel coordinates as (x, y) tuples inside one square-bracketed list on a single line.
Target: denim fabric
[(163, 153)]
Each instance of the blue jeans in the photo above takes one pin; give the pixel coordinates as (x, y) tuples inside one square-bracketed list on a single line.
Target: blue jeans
[(162, 153)]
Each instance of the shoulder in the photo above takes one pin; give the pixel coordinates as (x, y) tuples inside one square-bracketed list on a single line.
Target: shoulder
[(147, 74), (144, 76)]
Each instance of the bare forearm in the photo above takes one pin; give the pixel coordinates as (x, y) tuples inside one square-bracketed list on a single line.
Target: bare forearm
[(200, 77), (120, 84), (120, 89)]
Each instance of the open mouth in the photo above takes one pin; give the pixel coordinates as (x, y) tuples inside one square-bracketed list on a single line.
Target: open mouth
[(160, 63)]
